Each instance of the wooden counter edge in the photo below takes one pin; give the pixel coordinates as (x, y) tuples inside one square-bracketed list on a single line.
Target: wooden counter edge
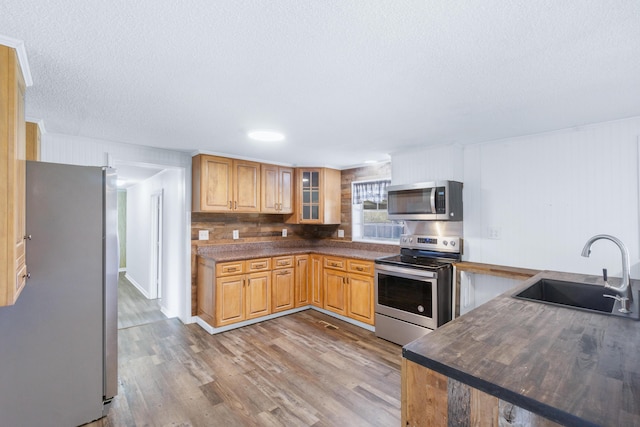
[(496, 270)]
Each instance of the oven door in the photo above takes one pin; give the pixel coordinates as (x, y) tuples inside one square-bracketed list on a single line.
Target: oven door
[(408, 294)]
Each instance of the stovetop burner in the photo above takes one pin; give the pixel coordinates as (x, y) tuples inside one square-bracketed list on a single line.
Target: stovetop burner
[(434, 253)]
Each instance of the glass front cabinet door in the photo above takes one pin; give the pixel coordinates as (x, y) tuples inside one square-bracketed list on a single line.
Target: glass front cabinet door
[(310, 195)]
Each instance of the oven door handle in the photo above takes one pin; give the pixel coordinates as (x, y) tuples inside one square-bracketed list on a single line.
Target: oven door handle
[(415, 273)]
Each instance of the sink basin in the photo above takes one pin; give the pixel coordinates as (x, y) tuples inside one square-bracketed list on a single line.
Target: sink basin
[(580, 296)]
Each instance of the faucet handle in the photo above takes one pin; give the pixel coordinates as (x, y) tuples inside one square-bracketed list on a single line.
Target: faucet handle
[(624, 302), (604, 274)]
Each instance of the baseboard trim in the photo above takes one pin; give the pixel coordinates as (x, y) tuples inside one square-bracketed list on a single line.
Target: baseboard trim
[(207, 327), (137, 285)]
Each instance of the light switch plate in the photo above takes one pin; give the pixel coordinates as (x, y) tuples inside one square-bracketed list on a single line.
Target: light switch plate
[(236, 234), (284, 232), (203, 235), (340, 233)]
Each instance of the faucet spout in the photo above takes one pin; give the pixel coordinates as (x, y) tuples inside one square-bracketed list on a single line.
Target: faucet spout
[(624, 289)]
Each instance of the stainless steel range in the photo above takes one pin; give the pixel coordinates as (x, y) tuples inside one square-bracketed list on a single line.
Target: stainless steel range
[(414, 289)]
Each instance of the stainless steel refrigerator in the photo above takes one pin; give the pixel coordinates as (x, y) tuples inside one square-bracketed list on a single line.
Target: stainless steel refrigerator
[(58, 343)]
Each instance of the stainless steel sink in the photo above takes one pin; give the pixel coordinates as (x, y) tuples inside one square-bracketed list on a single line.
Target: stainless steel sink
[(576, 295)]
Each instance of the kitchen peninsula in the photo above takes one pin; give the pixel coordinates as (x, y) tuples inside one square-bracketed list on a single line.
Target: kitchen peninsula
[(526, 362)]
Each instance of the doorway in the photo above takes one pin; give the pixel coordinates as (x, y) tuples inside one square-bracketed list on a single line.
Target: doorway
[(156, 245)]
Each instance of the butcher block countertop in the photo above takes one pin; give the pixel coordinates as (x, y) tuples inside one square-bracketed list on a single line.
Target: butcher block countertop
[(364, 251), (570, 366)]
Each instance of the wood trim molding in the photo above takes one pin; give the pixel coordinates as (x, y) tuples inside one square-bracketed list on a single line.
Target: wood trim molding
[(21, 51)]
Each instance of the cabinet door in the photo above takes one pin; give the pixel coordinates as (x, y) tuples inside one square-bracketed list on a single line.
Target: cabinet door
[(360, 298), (282, 289), (335, 292), (316, 277), (302, 281), (19, 179), (269, 200), (229, 300), (12, 176), (286, 190), (216, 189), (204, 286), (246, 186), (310, 200), (258, 295)]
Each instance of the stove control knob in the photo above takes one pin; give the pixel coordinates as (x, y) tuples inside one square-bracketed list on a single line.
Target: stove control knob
[(445, 243), (410, 239), (453, 243)]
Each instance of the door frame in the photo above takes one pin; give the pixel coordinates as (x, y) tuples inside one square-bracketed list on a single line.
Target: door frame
[(157, 200)]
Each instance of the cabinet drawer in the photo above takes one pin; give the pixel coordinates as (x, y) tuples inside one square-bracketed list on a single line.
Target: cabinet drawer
[(229, 268), (282, 261), (258, 264), (360, 267), (335, 263)]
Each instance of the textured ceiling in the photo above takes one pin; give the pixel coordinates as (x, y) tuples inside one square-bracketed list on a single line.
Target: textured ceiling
[(347, 81)]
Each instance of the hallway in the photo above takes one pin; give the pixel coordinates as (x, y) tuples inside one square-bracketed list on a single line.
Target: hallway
[(134, 309)]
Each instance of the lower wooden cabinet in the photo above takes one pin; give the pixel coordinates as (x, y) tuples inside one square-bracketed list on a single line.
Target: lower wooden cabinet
[(206, 276), (230, 292), (335, 291), (243, 296), (302, 282), (349, 288), (315, 280), (283, 284)]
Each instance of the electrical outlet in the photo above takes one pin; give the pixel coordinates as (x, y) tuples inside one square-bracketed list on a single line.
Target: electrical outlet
[(340, 233), (494, 233), (203, 235), (236, 234), (284, 232)]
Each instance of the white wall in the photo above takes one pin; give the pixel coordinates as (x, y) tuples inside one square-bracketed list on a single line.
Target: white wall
[(139, 237), (91, 152), (545, 195), (428, 164)]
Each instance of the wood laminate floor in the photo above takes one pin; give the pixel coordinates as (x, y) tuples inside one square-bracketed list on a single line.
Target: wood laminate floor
[(304, 369), (134, 308)]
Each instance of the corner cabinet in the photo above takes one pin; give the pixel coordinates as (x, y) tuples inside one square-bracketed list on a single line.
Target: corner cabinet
[(221, 184), (317, 196), (13, 273), (33, 141)]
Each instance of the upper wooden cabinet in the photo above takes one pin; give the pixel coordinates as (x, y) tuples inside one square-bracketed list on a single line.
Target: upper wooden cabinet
[(317, 196), (13, 272), (225, 185), (276, 194), (33, 141)]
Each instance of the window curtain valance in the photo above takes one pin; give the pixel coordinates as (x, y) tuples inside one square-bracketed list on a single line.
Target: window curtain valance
[(373, 191)]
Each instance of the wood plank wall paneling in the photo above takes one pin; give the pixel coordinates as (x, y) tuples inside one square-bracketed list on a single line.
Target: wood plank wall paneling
[(432, 399), (348, 176)]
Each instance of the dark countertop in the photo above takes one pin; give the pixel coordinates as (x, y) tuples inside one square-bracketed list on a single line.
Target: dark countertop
[(364, 251), (573, 367)]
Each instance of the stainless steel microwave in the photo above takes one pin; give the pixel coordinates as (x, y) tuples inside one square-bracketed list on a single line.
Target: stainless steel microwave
[(435, 201)]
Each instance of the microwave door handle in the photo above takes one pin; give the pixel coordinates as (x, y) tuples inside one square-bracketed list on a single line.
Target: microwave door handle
[(433, 200)]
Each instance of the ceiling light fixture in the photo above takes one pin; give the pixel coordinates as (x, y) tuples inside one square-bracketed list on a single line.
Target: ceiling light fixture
[(266, 135)]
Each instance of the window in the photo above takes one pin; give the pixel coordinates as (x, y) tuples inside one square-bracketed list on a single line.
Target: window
[(369, 213)]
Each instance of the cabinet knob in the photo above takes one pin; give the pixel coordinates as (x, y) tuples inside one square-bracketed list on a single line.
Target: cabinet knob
[(26, 276), (27, 237)]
